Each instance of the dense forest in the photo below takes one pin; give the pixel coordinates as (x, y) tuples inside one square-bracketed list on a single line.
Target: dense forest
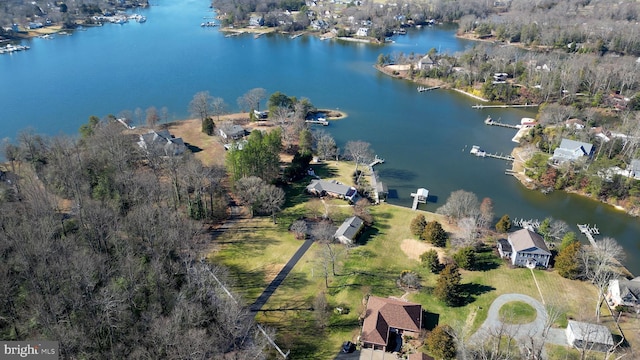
[(99, 249)]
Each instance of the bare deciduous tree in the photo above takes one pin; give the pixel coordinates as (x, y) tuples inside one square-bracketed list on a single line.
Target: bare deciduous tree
[(272, 199), (601, 265), (460, 204), (201, 105), (251, 100), (359, 152)]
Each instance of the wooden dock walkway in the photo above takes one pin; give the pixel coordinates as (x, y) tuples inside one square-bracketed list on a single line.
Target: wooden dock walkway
[(490, 121), (589, 231), (376, 161), (478, 106), (475, 150), (424, 88), (376, 185)]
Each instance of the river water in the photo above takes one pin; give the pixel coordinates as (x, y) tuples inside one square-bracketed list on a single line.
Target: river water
[(424, 137)]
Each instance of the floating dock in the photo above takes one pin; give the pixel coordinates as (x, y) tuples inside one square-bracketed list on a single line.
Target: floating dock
[(477, 151)]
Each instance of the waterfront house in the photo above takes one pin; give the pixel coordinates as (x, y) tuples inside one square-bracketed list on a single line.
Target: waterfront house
[(348, 232), (256, 20), (162, 142), (363, 32), (425, 63), (525, 248), (634, 169), (589, 336), (572, 150), (387, 320), (233, 132), (332, 188), (500, 77), (574, 123), (623, 292)]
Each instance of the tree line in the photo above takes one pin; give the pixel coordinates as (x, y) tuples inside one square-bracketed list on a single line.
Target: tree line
[(99, 251)]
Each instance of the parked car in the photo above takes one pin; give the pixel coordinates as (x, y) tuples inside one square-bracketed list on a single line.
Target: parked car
[(348, 347)]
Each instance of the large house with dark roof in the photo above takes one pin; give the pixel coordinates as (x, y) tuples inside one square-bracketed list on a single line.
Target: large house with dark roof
[(162, 142), (333, 188), (386, 320), (525, 248)]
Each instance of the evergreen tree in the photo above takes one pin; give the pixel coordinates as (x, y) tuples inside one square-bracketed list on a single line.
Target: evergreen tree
[(431, 261), (418, 224), (441, 344), (435, 234), (208, 127), (465, 258), (447, 287), (504, 224), (568, 262)]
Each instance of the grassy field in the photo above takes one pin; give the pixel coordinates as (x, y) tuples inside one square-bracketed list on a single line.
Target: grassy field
[(372, 267)]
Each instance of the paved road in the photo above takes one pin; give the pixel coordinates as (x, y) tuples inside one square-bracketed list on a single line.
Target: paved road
[(271, 288), (523, 332)]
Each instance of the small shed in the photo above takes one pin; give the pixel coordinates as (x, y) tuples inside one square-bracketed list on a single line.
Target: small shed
[(583, 335)]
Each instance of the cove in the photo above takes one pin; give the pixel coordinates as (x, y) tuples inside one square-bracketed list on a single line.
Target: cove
[(424, 138)]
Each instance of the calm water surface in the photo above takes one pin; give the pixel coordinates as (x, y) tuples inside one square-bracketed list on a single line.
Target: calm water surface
[(424, 137)]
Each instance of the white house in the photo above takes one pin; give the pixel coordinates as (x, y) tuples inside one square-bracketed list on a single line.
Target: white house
[(583, 335), (623, 292), (363, 31), (425, 63), (525, 248)]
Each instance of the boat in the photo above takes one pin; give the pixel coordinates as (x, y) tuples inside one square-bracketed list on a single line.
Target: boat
[(475, 150)]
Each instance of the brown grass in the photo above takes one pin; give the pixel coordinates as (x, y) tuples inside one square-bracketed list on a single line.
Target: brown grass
[(414, 248)]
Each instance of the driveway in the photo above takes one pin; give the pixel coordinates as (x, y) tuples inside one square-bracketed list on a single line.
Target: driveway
[(522, 332)]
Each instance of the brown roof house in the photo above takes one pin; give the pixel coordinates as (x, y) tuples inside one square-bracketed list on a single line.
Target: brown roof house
[(525, 248), (386, 320)]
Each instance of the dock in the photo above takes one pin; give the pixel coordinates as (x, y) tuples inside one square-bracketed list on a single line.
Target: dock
[(296, 35), (379, 190), (589, 231), (420, 196), (320, 121), (478, 106), (477, 151), (490, 121), (424, 88), (376, 161)]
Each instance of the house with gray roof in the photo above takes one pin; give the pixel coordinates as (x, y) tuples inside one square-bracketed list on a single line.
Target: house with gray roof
[(525, 248), (589, 336), (348, 232), (332, 188), (233, 132), (623, 292), (162, 142), (572, 150)]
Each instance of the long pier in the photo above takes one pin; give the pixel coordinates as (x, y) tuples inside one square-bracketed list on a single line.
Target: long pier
[(478, 106), (589, 231), (374, 179), (490, 121), (475, 150), (424, 88)]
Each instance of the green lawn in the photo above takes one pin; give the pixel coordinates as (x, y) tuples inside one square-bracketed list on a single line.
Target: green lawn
[(372, 267), (517, 312)]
